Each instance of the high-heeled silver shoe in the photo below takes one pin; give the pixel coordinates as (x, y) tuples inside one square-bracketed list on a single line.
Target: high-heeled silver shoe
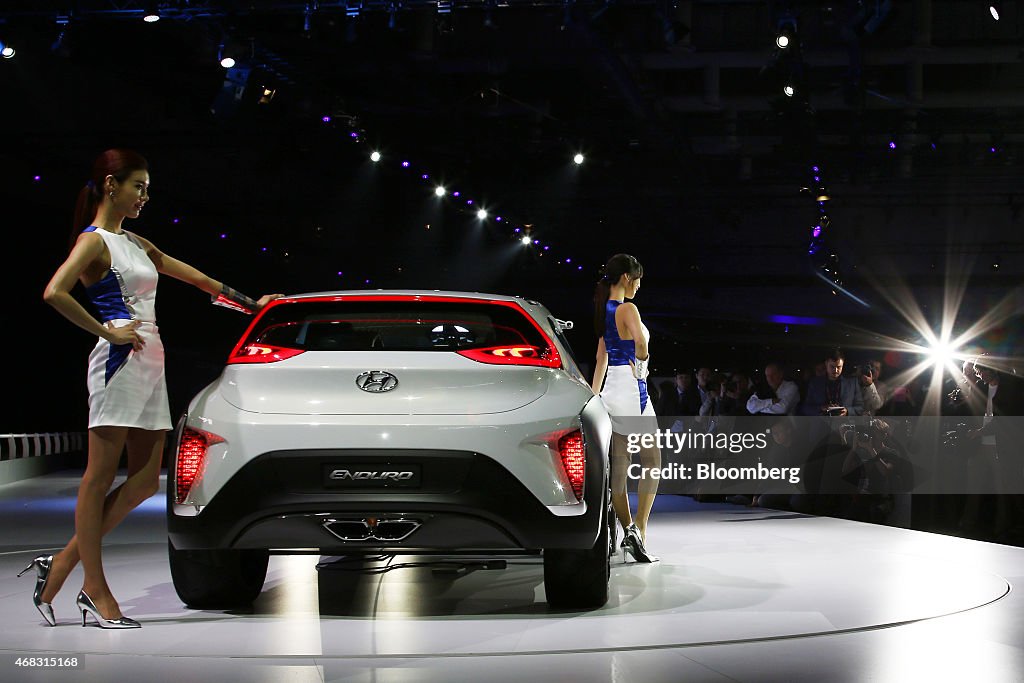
[(42, 565), (634, 545), (86, 604)]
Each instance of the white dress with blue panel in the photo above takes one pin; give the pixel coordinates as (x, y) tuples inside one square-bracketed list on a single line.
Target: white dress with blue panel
[(126, 387), (624, 395)]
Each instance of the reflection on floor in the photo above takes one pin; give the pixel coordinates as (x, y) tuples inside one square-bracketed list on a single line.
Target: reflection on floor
[(740, 595)]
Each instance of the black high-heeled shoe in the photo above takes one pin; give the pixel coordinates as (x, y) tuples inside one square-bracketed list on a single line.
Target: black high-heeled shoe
[(42, 565), (634, 545)]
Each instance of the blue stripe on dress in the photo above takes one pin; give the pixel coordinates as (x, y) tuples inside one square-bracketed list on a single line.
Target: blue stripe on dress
[(642, 383), (107, 295), (108, 299), (117, 356)]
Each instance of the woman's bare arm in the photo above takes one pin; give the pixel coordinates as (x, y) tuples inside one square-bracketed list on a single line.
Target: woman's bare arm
[(600, 367)]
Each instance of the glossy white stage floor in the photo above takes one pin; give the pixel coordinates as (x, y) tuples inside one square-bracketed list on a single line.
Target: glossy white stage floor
[(740, 595)]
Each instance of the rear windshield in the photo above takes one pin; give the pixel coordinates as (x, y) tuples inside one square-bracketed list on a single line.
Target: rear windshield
[(395, 326)]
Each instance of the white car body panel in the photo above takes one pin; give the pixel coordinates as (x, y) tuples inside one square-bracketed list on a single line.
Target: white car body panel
[(514, 439), (315, 383)]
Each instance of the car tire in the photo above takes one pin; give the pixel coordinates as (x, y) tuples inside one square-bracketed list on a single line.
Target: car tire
[(578, 579), (217, 579)]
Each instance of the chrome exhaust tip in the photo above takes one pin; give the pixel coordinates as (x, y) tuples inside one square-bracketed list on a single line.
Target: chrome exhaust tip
[(372, 529)]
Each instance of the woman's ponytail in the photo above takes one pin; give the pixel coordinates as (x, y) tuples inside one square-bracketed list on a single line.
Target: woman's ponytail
[(85, 210)]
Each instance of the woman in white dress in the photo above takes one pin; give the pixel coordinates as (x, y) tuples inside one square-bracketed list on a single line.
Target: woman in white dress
[(127, 393), (622, 360)]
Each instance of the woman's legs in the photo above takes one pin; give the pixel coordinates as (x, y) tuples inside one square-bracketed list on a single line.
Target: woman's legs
[(105, 444), (650, 458), (647, 490), (144, 454), (619, 465)]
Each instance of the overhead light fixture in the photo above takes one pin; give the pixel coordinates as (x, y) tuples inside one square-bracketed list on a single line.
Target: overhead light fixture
[(788, 90), (152, 13), (307, 18), (393, 8), (225, 58), (578, 159), (994, 11), (6, 51), (375, 156), (786, 32), (267, 95), (443, 20), (526, 240), (440, 191), (481, 214), (821, 194)]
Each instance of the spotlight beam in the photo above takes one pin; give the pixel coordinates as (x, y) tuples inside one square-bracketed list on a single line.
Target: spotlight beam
[(953, 293), (941, 350), (845, 291), (1011, 305)]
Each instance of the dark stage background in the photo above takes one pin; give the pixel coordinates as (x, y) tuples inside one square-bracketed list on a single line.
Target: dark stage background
[(694, 163)]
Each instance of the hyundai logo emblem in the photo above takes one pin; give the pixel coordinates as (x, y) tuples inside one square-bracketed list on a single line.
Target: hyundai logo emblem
[(376, 381)]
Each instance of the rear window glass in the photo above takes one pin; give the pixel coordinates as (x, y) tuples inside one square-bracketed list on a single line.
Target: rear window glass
[(394, 326)]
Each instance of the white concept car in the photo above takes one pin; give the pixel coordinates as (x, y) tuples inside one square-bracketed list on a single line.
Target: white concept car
[(393, 423)]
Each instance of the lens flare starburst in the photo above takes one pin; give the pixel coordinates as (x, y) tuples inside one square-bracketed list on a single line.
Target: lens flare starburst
[(941, 348)]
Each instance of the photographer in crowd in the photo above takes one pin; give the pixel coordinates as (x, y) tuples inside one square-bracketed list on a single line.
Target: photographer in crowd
[(871, 387), (737, 390), (832, 394), (781, 396), (876, 467), (1000, 437)]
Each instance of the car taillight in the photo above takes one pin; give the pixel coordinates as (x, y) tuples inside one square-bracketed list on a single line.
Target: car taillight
[(261, 353), (515, 355), (191, 458), (574, 460)]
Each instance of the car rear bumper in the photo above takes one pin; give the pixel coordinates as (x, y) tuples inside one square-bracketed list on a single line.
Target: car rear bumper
[(464, 502)]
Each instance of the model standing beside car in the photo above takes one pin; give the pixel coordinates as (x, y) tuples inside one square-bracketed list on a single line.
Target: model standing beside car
[(127, 392), (622, 361)]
